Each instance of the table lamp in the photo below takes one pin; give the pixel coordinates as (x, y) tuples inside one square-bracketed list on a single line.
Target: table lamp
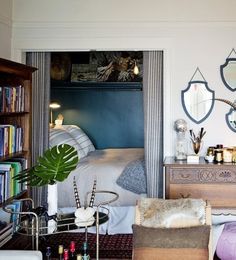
[(53, 105)]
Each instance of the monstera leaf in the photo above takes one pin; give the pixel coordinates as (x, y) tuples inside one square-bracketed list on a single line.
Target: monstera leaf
[(55, 165)]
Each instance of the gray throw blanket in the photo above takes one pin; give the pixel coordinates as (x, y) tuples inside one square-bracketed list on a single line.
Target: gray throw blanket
[(133, 177)]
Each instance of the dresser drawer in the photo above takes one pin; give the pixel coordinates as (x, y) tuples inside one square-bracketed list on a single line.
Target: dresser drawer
[(219, 195), (203, 175)]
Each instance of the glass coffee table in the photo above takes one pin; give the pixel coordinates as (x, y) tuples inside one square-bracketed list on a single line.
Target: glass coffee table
[(31, 224)]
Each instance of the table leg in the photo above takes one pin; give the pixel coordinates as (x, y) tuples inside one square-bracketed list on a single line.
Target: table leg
[(97, 234)]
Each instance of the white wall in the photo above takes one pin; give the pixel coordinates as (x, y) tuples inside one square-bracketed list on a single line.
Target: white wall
[(191, 33), (5, 28)]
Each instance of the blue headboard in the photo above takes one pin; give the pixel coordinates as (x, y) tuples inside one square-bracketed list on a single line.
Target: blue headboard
[(111, 118)]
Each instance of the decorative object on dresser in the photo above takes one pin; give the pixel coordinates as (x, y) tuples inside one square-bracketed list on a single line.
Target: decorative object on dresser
[(210, 181), (196, 145), (180, 127), (15, 133)]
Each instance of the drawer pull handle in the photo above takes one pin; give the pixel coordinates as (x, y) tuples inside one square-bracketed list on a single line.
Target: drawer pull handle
[(185, 176), (185, 196)]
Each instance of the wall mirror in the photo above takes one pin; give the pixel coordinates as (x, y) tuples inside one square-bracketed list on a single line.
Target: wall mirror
[(231, 119), (228, 71), (197, 99)]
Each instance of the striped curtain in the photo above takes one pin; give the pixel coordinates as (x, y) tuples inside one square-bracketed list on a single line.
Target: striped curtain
[(153, 121), (40, 114)]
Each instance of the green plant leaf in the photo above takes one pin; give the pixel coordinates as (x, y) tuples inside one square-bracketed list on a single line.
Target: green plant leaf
[(54, 165)]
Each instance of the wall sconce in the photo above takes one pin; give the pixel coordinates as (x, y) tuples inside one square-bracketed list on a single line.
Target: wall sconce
[(136, 69), (53, 105)]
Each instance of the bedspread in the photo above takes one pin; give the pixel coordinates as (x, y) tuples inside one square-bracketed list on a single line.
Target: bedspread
[(105, 166)]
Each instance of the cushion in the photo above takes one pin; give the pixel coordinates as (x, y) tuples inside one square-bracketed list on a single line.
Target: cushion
[(170, 243), (172, 213), (226, 246), (81, 138), (60, 136), (190, 237)]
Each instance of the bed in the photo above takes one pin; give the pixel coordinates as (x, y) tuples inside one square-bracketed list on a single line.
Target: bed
[(118, 170)]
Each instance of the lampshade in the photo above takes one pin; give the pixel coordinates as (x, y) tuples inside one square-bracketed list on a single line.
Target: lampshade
[(54, 105)]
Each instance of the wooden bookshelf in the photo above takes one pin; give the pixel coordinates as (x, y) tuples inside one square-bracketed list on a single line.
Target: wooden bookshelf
[(15, 110), (13, 75)]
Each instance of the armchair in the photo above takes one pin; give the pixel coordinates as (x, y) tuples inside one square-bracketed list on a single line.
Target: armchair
[(172, 229)]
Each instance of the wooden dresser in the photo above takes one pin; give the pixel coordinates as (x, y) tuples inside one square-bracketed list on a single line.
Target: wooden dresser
[(213, 182)]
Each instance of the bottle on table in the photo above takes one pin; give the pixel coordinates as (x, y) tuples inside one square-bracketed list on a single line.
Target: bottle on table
[(66, 254), (72, 253), (48, 253), (60, 252), (85, 251), (79, 257)]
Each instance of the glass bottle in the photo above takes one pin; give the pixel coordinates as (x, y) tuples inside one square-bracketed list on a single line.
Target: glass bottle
[(79, 257), (60, 252), (219, 153), (85, 251), (72, 252), (181, 146), (48, 253), (66, 254)]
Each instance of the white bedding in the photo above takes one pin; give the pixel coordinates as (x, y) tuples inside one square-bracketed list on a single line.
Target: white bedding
[(106, 166)]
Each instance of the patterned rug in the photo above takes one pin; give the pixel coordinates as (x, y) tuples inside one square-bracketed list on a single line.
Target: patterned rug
[(110, 246)]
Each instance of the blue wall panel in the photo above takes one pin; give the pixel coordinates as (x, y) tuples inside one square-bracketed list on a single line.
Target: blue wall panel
[(111, 118)]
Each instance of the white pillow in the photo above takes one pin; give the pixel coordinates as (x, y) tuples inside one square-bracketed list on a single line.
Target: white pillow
[(60, 136), (82, 139)]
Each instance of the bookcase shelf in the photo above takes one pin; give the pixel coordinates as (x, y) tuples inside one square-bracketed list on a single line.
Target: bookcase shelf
[(15, 127), (13, 114), (13, 155)]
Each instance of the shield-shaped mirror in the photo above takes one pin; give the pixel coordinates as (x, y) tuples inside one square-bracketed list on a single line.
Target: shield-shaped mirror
[(197, 100), (230, 118), (228, 72)]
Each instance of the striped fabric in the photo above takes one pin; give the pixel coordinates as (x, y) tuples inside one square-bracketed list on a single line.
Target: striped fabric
[(40, 115), (153, 121), (81, 138), (61, 136)]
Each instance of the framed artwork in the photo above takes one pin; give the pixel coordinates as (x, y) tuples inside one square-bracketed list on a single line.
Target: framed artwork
[(108, 66), (84, 72)]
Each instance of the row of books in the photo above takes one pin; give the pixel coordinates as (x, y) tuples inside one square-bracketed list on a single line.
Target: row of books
[(11, 139), (9, 223), (8, 186), (11, 99)]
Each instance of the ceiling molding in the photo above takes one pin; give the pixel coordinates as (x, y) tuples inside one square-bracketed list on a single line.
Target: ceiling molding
[(120, 24)]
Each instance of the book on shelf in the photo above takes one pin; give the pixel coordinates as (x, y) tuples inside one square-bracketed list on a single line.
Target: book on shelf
[(8, 186), (5, 240), (11, 99), (8, 230), (6, 234), (11, 139), (4, 226), (5, 216)]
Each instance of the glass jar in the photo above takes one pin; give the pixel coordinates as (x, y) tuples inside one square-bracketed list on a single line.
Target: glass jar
[(218, 155), (181, 146), (227, 154), (234, 154), (211, 150)]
